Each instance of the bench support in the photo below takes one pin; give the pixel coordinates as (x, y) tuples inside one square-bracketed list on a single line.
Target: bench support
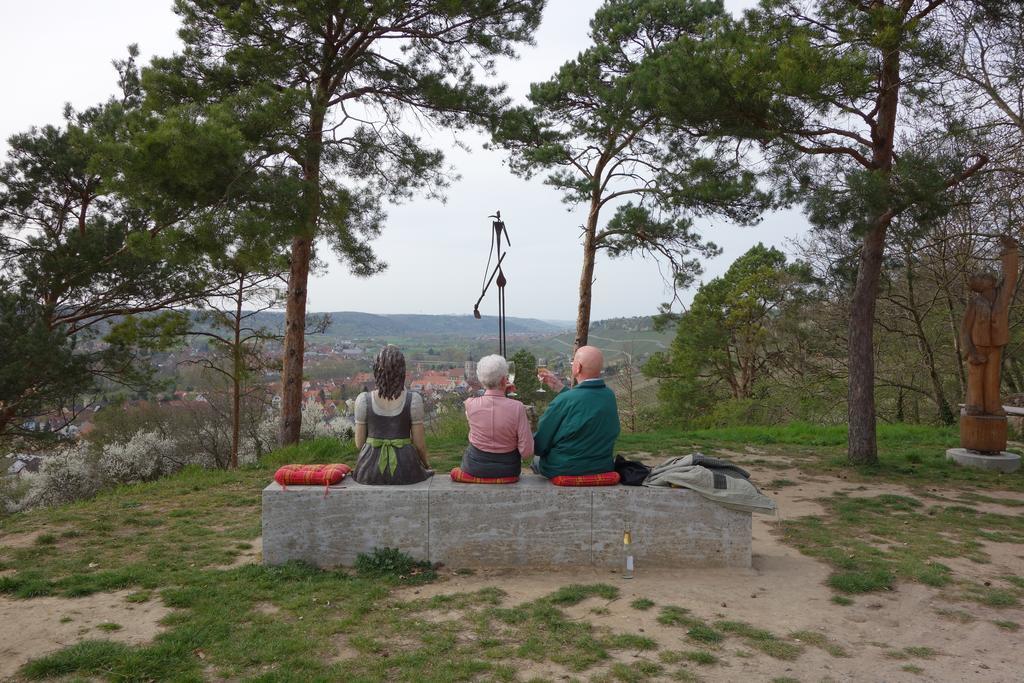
[(531, 523)]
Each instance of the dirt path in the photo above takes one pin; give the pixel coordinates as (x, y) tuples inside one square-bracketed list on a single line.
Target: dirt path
[(32, 628), (785, 592)]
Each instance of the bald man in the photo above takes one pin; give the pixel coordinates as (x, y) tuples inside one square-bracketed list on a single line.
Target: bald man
[(576, 434)]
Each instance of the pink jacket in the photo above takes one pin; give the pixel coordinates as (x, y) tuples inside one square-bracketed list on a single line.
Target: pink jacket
[(498, 424)]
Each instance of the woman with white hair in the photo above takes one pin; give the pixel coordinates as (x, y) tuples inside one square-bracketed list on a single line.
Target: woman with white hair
[(499, 431)]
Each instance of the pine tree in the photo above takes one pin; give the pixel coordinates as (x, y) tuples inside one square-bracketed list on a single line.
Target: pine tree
[(79, 259), (332, 91), (592, 129), (831, 89)]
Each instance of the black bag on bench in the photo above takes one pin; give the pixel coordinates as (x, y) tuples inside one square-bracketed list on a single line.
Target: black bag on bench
[(631, 473)]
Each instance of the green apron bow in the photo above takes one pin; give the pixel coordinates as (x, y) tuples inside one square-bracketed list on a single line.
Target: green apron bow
[(388, 461)]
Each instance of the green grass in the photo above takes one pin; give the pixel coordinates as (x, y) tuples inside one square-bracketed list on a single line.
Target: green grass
[(166, 540), (671, 615), (873, 542), (957, 615), (394, 565), (1006, 625), (700, 657), (911, 454), (538, 630), (760, 639), (992, 596), (972, 497), (92, 657), (787, 649), (702, 633), (46, 539), (1017, 581), (630, 641), (819, 640), (170, 541), (915, 652), (803, 434), (574, 594), (635, 672)]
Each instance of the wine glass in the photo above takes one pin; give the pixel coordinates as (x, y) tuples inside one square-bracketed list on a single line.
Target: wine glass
[(511, 372)]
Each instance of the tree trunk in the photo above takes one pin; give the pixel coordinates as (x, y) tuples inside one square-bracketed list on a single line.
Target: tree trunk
[(83, 212), (294, 341), (1011, 375), (862, 447), (6, 418), (954, 324), (236, 376), (587, 276), (298, 279), (954, 328), (945, 411)]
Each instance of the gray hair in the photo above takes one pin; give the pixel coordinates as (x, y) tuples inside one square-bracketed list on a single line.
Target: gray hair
[(490, 370)]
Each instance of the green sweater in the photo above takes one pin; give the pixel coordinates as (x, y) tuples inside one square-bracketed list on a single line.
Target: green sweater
[(576, 434)]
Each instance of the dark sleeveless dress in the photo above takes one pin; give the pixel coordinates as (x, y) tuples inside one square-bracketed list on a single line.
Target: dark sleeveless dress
[(409, 468)]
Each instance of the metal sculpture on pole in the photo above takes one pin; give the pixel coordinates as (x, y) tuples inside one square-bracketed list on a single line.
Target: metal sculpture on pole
[(498, 230)]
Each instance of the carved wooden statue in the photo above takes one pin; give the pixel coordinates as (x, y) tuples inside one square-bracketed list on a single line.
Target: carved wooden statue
[(985, 332)]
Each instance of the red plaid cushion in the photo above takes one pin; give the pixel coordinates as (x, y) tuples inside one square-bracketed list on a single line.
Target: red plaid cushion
[(311, 475), (603, 479), (458, 475)]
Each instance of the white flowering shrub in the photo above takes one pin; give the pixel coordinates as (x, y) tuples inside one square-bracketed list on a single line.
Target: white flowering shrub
[(261, 440), (81, 470), (249, 451), (313, 419), (66, 475), (146, 456), (13, 491), (316, 424)]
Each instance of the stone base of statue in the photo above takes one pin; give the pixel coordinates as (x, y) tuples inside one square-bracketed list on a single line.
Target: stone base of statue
[(983, 433), (996, 462)]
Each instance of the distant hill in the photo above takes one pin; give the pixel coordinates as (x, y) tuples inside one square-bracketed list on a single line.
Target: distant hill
[(614, 343), (634, 335), (356, 325), (616, 337), (640, 323)]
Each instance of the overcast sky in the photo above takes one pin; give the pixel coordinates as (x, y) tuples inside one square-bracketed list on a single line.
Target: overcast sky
[(60, 51)]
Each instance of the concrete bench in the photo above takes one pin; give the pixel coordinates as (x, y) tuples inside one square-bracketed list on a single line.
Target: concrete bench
[(531, 523)]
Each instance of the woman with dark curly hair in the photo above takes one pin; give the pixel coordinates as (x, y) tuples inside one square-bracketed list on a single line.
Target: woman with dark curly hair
[(389, 427)]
